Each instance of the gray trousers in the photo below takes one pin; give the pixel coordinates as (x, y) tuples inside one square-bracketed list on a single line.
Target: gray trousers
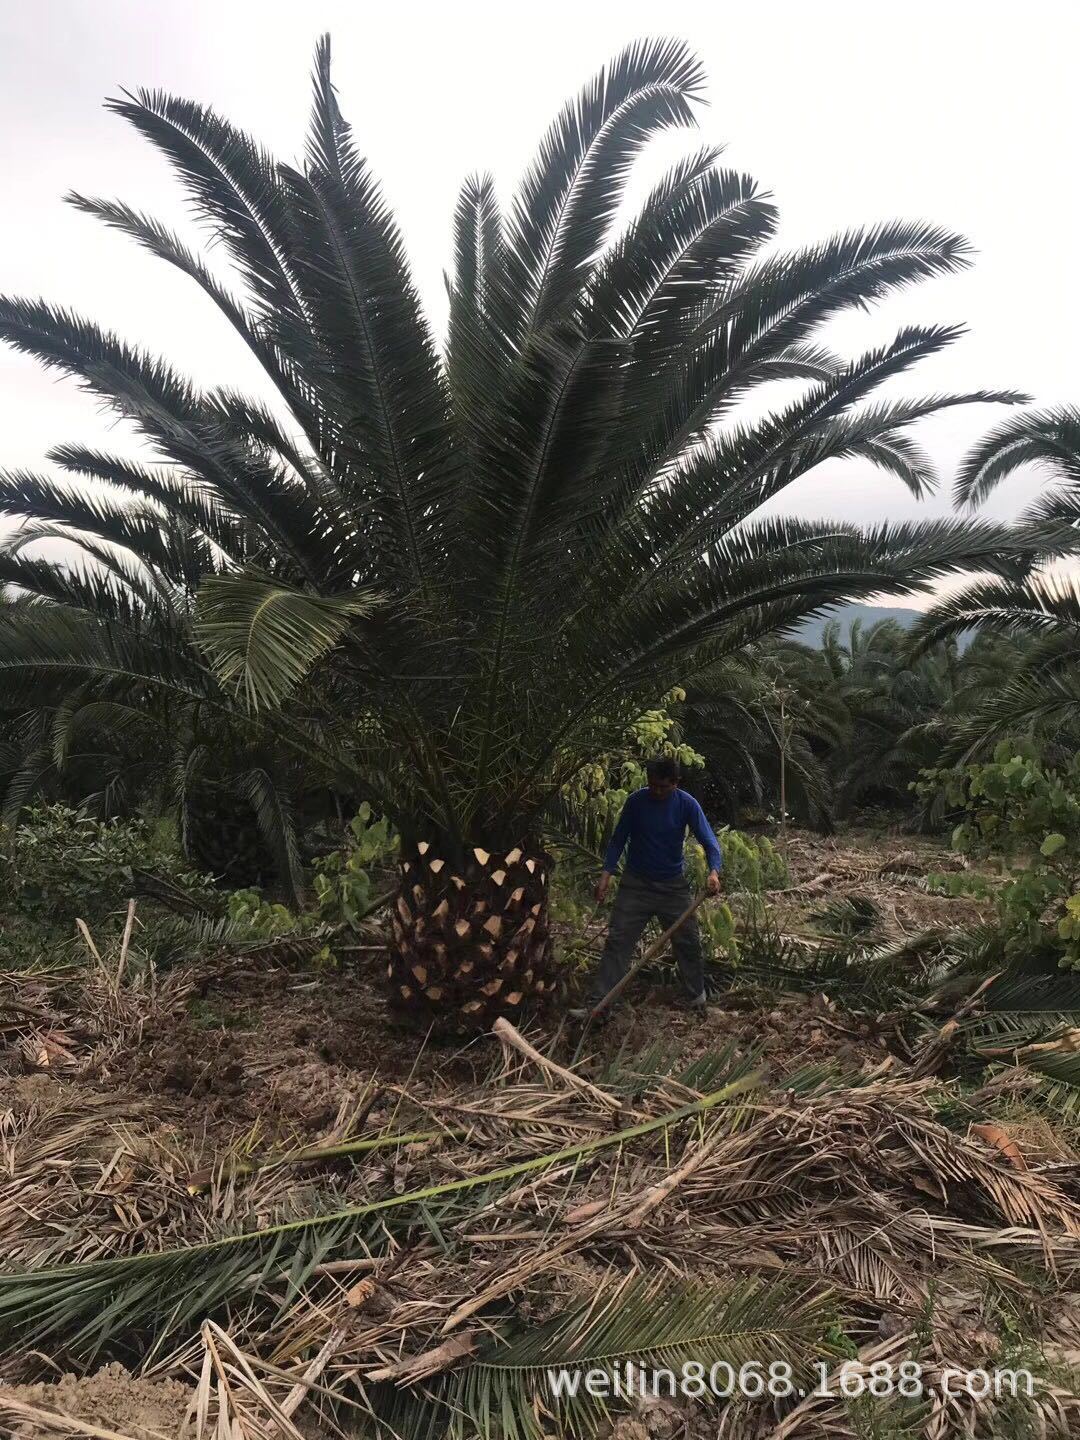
[(638, 900)]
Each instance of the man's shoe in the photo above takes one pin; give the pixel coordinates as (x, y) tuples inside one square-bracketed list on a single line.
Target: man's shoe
[(581, 1013), (696, 1004)]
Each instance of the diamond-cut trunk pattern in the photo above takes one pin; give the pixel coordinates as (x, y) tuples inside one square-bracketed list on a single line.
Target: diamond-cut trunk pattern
[(467, 948)]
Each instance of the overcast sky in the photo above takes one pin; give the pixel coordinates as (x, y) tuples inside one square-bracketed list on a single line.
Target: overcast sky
[(963, 112)]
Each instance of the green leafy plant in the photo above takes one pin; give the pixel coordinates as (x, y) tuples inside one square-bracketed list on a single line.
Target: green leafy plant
[(261, 917), (1026, 816), (345, 880), (752, 865), (594, 797), (60, 864)]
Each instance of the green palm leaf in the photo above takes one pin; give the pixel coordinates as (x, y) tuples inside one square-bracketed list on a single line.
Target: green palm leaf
[(264, 638), (570, 195), (642, 1324), (1050, 438)]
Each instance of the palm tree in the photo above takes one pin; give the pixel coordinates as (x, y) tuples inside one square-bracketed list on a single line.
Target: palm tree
[(460, 570), (1037, 695), (126, 718), (770, 707), (897, 706)]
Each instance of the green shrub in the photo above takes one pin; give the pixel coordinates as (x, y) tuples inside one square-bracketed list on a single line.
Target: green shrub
[(60, 865), (345, 880), (345, 885), (752, 863), (264, 919), (57, 866), (1026, 816), (598, 791)]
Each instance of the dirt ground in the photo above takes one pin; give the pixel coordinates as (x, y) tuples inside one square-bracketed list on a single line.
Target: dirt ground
[(284, 1051), (112, 1399), (258, 1057)]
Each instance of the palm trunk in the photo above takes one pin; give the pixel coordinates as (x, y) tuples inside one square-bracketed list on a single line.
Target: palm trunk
[(469, 947)]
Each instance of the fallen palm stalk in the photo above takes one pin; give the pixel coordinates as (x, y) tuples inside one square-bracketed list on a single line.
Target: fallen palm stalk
[(511, 1039), (200, 1180), (86, 1307)]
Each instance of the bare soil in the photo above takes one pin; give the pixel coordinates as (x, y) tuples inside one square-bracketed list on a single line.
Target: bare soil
[(112, 1399)]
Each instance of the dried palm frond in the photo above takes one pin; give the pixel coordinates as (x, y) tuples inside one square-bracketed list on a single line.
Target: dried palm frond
[(506, 1389), (86, 1307), (79, 1018), (232, 1400), (433, 1284), (1019, 1197)]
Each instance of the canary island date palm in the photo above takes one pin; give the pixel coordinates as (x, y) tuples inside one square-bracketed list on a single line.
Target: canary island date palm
[(1037, 693), (111, 712), (461, 567)]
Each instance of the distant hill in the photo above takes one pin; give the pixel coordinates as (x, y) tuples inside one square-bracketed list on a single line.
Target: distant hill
[(809, 632)]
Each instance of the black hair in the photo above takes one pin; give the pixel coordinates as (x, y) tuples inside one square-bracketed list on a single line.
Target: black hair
[(664, 767)]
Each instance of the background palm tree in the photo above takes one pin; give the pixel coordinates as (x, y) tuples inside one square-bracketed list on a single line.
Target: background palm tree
[(458, 573), (126, 715), (772, 702), (903, 707), (1038, 614)]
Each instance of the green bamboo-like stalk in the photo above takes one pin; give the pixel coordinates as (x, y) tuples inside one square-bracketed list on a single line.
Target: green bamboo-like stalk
[(201, 1180)]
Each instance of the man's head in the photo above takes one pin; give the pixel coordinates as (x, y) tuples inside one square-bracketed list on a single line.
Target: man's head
[(663, 777)]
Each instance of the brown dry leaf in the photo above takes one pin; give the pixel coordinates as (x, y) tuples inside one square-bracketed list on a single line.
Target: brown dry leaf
[(360, 1293), (994, 1135)]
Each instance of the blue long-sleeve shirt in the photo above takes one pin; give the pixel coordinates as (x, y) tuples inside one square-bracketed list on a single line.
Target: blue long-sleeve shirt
[(656, 830)]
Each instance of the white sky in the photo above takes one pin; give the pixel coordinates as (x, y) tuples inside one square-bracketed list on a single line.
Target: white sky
[(963, 112)]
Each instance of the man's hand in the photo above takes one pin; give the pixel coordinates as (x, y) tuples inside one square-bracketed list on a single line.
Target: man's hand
[(712, 885), (602, 887)]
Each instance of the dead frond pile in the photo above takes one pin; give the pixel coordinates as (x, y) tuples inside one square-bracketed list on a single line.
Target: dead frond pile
[(423, 1267)]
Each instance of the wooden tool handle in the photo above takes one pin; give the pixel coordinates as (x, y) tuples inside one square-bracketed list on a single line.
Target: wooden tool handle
[(650, 954)]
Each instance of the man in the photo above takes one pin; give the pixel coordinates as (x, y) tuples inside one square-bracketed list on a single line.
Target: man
[(655, 821)]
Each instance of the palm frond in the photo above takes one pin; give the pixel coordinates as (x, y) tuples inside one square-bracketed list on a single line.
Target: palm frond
[(264, 638), (1048, 437), (640, 1324), (569, 197), (371, 350), (277, 825), (87, 1307), (1058, 1071)]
